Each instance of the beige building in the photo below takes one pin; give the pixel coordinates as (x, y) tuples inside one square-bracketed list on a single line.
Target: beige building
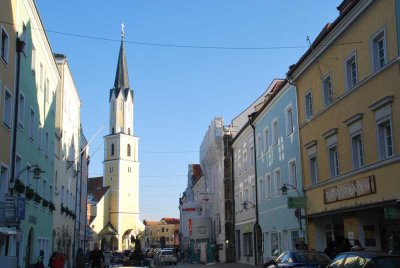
[(166, 230)]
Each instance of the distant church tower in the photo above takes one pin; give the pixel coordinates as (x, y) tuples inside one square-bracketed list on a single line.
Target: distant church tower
[(121, 164)]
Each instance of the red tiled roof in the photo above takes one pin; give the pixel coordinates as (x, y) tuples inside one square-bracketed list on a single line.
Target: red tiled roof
[(96, 189), (150, 223), (171, 220), (197, 170)]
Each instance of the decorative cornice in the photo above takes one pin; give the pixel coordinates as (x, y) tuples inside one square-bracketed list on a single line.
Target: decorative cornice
[(330, 132), (353, 119), (310, 144), (382, 102)]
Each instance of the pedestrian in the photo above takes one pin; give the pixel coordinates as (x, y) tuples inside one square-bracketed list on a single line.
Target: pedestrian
[(59, 260), (51, 260), (39, 262), (346, 246), (96, 257), (80, 259), (331, 250)]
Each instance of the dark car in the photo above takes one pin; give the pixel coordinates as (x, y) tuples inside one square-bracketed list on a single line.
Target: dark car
[(300, 258), (365, 259)]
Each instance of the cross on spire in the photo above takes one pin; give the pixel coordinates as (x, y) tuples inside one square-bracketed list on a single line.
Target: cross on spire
[(122, 30)]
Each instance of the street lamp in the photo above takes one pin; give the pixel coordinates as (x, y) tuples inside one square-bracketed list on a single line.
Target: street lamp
[(36, 174), (284, 190)]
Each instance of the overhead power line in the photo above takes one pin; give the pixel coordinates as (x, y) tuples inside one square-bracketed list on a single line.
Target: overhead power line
[(92, 37)]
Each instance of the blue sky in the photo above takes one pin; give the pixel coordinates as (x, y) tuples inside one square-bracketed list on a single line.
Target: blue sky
[(178, 91)]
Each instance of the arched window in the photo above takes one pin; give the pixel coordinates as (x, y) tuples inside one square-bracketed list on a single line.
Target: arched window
[(129, 150), (112, 131), (112, 148), (129, 131)]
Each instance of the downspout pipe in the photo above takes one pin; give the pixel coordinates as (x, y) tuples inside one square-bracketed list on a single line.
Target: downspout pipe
[(256, 225)]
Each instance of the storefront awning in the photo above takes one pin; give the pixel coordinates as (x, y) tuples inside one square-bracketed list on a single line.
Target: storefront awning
[(7, 231), (352, 209)]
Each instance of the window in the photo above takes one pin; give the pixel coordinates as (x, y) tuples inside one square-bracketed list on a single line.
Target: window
[(292, 173), (333, 161), (385, 140), (253, 194), (278, 183), (240, 199), (62, 196), (3, 178), (112, 148), (44, 191), (309, 105), (252, 155), (313, 169), (245, 160), (29, 175), (46, 144), (351, 71), (129, 131), (129, 169), (247, 194), (261, 189), (51, 193), (7, 108), (41, 76), (274, 243), (357, 151), (266, 140), (289, 120), (40, 137), (4, 45), (129, 150), (275, 132), (327, 87), (379, 50), (258, 145), (33, 59), (47, 91), (111, 169), (32, 125), (268, 185), (18, 165), (248, 244), (21, 110), (24, 37)]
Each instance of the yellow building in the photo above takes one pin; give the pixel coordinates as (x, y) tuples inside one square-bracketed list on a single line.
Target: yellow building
[(349, 118), (166, 230)]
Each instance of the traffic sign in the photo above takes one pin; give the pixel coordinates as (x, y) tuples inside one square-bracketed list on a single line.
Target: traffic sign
[(21, 208), (296, 202)]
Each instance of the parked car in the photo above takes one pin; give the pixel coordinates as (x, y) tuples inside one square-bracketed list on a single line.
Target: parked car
[(117, 257), (300, 258), (365, 259), (165, 257)]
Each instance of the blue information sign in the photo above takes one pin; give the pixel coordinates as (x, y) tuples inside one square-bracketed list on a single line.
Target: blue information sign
[(21, 208)]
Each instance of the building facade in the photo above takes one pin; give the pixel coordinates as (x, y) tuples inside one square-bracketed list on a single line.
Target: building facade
[(67, 160), (8, 35), (347, 89), (278, 165)]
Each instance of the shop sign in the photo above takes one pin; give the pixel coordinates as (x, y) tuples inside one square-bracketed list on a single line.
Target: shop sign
[(350, 190), (9, 208), (296, 202), (392, 213)]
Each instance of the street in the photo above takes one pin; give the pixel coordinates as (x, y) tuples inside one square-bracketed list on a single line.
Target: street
[(214, 265)]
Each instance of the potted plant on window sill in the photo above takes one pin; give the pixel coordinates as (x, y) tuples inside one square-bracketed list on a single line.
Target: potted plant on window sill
[(19, 186), (29, 193), (45, 203), (37, 198)]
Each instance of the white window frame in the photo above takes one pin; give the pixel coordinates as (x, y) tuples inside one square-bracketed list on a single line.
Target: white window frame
[(21, 110), (245, 160), (275, 132), (258, 149), (4, 184), (327, 91), (266, 139), (260, 189), (252, 161), (289, 120), (382, 136), (293, 178), (29, 175), (357, 150), (350, 83), (33, 59), (308, 103), (278, 181), (6, 49), (378, 35), (7, 121)]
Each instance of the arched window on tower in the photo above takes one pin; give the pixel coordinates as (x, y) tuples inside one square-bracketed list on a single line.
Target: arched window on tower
[(129, 131), (112, 130), (129, 150), (112, 148)]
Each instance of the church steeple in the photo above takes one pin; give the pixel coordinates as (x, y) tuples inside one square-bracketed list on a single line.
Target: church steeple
[(121, 77)]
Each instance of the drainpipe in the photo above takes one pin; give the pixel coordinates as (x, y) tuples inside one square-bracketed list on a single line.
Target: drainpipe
[(233, 204), (257, 225)]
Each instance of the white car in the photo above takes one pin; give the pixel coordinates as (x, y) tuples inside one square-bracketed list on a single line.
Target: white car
[(167, 256)]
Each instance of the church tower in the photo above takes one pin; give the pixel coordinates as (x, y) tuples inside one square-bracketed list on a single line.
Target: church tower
[(121, 164)]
